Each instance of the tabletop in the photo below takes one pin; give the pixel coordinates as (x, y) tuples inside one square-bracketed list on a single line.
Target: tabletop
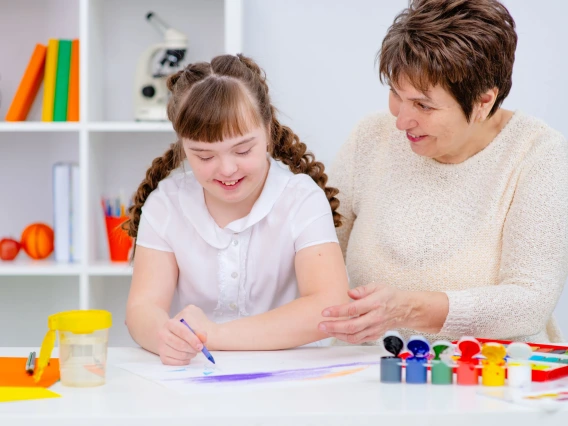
[(128, 398)]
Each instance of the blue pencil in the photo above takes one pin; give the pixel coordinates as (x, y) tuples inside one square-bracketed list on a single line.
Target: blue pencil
[(204, 350)]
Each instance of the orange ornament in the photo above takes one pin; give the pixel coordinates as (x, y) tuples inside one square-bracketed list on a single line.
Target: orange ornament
[(37, 240)]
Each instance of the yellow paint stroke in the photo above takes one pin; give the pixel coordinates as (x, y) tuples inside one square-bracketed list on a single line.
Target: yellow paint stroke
[(339, 373)]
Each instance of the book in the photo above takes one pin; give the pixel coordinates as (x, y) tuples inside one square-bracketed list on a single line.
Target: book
[(49, 80), (66, 215), (62, 80), (29, 86), (73, 101)]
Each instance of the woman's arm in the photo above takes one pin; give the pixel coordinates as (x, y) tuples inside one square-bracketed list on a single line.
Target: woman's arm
[(534, 260), (322, 280)]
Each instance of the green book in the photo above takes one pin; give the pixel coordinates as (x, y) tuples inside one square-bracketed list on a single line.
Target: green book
[(62, 80)]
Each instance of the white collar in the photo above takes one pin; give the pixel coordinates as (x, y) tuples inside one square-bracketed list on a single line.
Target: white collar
[(192, 202)]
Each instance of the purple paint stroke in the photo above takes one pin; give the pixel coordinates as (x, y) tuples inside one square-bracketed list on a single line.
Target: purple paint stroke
[(273, 376)]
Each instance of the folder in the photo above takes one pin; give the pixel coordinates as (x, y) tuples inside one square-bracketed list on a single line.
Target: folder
[(29, 86), (73, 102), (62, 81), (49, 80)]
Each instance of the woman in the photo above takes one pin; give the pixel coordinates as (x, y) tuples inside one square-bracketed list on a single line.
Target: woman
[(455, 209)]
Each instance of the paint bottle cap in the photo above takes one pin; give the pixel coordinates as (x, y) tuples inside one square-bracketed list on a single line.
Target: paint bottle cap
[(494, 352), (440, 347), (419, 346), (469, 347), (519, 350), (393, 342)]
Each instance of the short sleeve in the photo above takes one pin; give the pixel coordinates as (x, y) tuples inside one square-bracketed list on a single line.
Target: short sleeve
[(312, 223), (153, 223)]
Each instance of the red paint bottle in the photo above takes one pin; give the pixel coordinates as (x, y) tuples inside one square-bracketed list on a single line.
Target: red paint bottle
[(468, 365)]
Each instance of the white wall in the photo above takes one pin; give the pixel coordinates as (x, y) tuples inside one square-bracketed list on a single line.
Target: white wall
[(319, 59)]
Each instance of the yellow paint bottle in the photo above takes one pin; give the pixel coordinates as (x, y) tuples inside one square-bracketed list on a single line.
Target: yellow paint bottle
[(493, 366)]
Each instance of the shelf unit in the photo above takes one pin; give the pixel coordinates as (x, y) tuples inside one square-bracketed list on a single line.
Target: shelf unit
[(112, 150)]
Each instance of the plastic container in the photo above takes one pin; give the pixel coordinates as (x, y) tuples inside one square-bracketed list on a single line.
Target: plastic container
[(391, 366), (519, 373), (493, 372), (119, 243), (416, 365), (442, 364), (468, 371), (83, 343)]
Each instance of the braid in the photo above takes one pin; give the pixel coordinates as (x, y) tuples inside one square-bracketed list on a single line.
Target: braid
[(160, 169), (287, 146), (291, 151)]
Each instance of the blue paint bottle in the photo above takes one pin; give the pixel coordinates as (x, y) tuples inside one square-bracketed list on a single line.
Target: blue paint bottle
[(391, 366), (416, 369)]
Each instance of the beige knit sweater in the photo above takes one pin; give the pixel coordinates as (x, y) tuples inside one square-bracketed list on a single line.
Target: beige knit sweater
[(490, 232)]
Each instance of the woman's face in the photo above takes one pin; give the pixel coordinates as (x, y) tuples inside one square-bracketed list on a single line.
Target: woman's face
[(232, 170), (434, 123)]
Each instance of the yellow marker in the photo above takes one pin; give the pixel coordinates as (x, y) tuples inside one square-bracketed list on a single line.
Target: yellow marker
[(493, 366)]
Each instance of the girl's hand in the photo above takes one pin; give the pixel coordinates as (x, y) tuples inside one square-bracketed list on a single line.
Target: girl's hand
[(177, 344), (376, 309)]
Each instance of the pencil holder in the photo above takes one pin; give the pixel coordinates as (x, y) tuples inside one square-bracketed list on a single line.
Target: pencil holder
[(119, 243)]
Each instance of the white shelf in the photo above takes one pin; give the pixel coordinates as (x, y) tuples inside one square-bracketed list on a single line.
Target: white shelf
[(113, 151), (130, 126), (110, 269), (38, 267), (38, 126)]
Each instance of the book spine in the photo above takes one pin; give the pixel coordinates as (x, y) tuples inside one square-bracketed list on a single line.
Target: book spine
[(29, 86), (49, 80), (73, 102), (62, 81)]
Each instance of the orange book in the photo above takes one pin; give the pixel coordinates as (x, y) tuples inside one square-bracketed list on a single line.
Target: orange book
[(29, 86), (73, 100)]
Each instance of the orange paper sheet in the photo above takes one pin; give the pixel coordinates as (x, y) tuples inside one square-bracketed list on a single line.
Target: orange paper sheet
[(13, 373)]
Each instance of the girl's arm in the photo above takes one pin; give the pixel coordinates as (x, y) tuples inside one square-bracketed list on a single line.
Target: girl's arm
[(322, 282), (147, 310), (153, 284)]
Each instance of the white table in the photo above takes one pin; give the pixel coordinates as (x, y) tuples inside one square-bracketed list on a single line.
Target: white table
[(129, 399)]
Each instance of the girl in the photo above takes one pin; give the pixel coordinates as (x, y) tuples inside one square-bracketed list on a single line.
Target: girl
[(246, 249)]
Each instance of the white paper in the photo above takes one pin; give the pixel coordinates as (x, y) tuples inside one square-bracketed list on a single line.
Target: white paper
[(300, 367)]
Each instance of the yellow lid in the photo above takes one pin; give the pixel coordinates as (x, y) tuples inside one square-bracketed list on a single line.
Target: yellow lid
[(80, 322), (494, 352)]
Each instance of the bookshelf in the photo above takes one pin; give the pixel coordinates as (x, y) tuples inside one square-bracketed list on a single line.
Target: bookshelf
[(112, 149)]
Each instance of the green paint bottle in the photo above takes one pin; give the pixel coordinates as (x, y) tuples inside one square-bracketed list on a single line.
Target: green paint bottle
[(442, 363)]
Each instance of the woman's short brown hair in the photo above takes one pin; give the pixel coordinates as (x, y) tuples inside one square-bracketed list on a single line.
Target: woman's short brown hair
[(466, 46)]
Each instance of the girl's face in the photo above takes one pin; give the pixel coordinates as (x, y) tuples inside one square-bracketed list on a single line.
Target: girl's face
[(233, 170)]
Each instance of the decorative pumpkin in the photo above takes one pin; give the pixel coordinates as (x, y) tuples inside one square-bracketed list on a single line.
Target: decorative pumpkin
[(37, 240), (9, 248)]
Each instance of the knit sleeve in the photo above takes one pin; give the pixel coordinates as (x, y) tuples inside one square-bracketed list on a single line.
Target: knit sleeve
[(342, 176), (534, 262)]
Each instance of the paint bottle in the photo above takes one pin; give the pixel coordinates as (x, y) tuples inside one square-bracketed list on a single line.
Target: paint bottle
[(467, 371), (391, 366), (519, 372), (442, 364), (416, 365), (493, 366)]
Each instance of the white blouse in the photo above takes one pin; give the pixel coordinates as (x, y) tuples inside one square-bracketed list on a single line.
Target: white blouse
[(246, 268)]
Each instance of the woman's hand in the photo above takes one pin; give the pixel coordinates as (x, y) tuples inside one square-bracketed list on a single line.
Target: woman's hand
[(376, 309), (177, 344)]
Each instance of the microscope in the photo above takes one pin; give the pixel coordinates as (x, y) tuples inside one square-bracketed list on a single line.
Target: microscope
[(150, 90)]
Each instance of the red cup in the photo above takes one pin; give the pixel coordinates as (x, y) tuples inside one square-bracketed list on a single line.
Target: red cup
[(119, 243)]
